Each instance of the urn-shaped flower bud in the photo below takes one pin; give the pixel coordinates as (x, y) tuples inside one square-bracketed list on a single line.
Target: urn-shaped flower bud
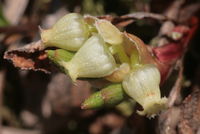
[(143, 86), (93, 60), (69, 33)]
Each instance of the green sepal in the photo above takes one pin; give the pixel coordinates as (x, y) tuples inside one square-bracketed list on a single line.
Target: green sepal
[(59, 56)]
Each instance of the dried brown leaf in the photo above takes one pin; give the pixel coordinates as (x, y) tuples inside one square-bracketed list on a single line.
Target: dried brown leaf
[(190, 119), (125, 20), (184, 119), (20, 29), (173, 11), (187, 12), (168, 120), (30, 57), (130, 18)]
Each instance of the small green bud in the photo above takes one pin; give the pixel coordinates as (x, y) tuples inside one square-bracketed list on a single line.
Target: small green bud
[(69, 33), (143, 86), (109, 96), (93, 102), (93, 60)]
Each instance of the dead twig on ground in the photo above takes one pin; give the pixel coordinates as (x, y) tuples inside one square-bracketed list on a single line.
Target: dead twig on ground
[(2, 84), (175, 91)]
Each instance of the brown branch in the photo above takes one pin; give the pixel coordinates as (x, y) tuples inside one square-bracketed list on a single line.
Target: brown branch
[(173, 11), (127, 19), (175, 92), (2, 83), (11, 130), (19, 29)]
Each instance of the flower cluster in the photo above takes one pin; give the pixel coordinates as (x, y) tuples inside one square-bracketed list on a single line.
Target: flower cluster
[(92, 48)]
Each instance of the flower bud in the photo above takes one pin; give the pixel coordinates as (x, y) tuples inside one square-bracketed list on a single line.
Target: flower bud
[(143, 86), (69, 33), (93, 60), (109, 32), (109, 96)]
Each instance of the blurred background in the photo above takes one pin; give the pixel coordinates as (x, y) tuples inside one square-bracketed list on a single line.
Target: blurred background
[(39, 103)]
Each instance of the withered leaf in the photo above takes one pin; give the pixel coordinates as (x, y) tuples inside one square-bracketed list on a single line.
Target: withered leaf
[(183, 119), (190, 120), (26, 28), (30, 57), (168, 120), (173, 10), (125, 20), (187, 12)]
